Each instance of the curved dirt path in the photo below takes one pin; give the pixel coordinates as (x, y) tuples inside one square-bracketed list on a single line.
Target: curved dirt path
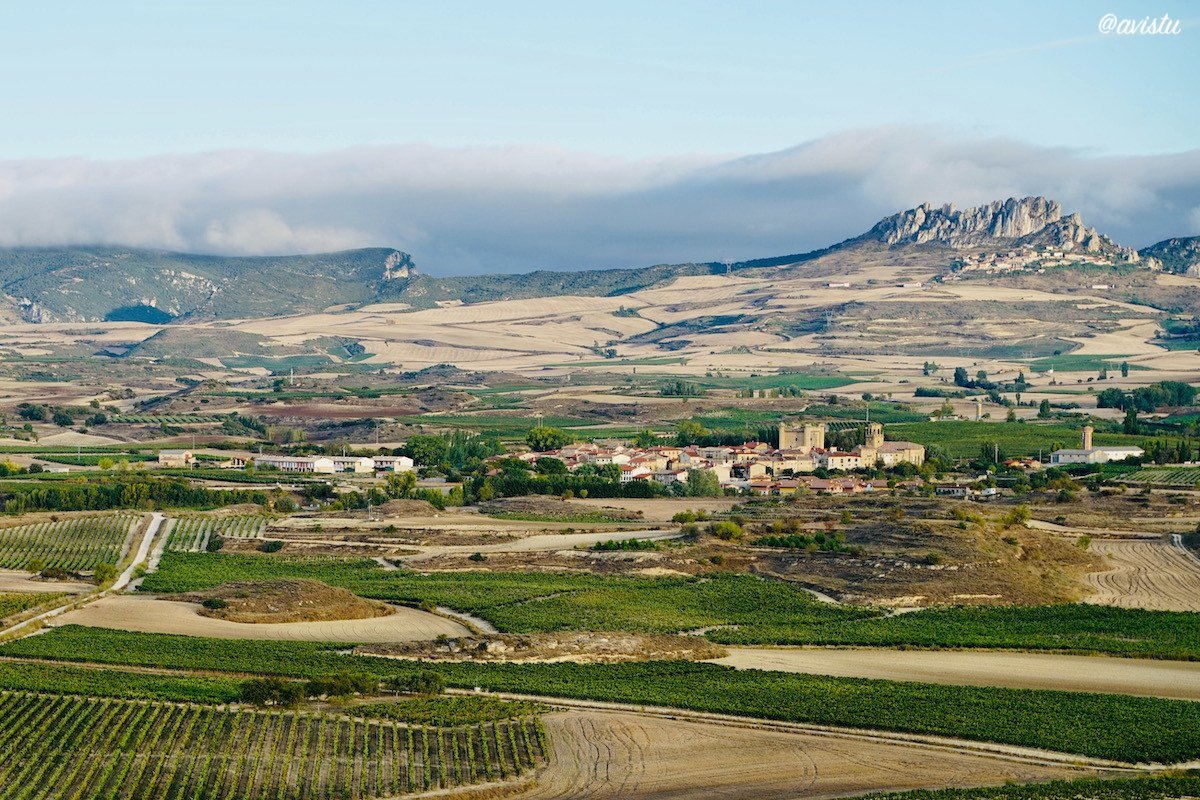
[(1179, 680), (147, 614), (1156, 574), (620, 754)]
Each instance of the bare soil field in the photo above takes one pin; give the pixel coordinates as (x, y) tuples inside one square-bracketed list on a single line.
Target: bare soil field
[(603, 754), (1178, 680), (17, 581), (271, 602), (1157, 574), (147, 614), (662, 509)]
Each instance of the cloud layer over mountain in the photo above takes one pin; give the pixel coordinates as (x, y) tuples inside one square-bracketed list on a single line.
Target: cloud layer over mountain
[(515, 209)]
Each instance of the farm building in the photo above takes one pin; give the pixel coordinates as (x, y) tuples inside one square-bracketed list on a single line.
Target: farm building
[(1094, 455), (176, 458)]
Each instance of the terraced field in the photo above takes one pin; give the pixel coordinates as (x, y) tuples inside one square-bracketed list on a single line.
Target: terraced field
[(72, 545), (54, 747), (192, 534), (1155, 574)]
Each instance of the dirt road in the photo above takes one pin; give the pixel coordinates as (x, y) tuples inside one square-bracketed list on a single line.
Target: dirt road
[(615, 754), (1157, 574), (1133, 676), (147, 614)]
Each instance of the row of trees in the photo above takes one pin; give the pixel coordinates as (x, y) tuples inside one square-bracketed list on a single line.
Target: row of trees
[(1150, 398)]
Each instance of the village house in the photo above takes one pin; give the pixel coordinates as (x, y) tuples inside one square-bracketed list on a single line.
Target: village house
[(176, 458)]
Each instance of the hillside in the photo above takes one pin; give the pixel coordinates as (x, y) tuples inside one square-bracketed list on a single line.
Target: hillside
[(97, 283), (123, 284), (1180, 255)]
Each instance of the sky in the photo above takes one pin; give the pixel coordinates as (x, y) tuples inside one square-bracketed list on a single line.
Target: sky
[(521, 135)]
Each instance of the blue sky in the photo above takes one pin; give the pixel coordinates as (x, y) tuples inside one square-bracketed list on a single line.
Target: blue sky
[(120, 79), (516, 136)]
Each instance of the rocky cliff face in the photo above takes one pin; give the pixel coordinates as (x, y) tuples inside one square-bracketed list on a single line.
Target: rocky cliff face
[(1032, 221)]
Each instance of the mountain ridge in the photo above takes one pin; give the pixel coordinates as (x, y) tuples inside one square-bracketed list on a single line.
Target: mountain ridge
[(119, 283)]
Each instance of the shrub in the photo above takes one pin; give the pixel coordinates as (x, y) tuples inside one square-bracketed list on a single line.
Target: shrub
[(214, 603), (424, 682), (478, 558), (215, 543), (728, 530), (933, 558), (271, 546)]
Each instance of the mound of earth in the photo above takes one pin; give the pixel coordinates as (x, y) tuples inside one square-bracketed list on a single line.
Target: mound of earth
[(581, 648), (542, 506), (285, 601), (407, 508)]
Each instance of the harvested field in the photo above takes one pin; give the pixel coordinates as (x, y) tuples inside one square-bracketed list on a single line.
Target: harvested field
[(662, 509), (151, 615), (599, 754), (1179, 680), (1157, 574), (17, 581)]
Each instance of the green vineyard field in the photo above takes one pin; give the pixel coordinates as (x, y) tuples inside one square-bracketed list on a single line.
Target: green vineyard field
[(192, 534), (85, 748), (1183, 477), (72, 545)]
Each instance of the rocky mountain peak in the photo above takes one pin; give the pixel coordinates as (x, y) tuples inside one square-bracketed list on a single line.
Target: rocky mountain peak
[(1030, 221)]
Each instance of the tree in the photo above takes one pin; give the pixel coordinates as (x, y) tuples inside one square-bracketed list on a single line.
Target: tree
[(548, 465), (105, 573), (400, 484), (1044, 409), (543, 438), (728, 531), (1124, 369), (428, 451), (703, 483), (961, 378), (1130, 425), (688, 431), (645, 438), (63, 419)]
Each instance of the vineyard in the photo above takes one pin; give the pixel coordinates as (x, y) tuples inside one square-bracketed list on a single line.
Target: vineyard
[(82, 748), (170, 419), (12, 604), (1183, 477), (192, 534), (71, 545)]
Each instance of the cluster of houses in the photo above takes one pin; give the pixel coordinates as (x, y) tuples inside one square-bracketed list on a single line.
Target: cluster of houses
[(754, 466), (1030, 258)]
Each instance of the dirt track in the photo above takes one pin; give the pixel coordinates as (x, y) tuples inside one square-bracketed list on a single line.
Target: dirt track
[(1133, 676), (1156, 574), (600, 754), (14, 581), (149, 615)]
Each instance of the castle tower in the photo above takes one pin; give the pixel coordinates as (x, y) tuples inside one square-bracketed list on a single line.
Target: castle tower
[(789, 436), (814, 437), (874, 436), (1087, 437)]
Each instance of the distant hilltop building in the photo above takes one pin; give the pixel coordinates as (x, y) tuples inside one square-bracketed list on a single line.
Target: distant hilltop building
[(1094, 455)]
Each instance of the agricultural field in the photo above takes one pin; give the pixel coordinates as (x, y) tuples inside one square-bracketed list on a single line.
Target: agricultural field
[(1124, 728), (737, 609), (1166, 477), (75, 545), (192, 534), (19, 603), (79, 747)]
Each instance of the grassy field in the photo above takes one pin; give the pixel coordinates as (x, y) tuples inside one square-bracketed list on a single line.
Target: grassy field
[(764, 612), (85, 748), (1081, 363), (1106, 726), (71, 545)]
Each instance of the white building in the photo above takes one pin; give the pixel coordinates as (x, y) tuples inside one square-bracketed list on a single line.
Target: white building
[(321, 464), (1094, 455), (393, 464)]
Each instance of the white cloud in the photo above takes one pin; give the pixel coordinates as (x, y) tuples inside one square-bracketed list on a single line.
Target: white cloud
[(503, 209)]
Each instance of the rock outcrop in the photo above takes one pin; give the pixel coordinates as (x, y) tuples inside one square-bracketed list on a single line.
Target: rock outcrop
[(1030, 222), (1181, 254)]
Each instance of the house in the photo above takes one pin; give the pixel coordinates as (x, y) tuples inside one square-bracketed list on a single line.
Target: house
[(176, 458), (1094, 455), (393, 463), (322, 464), (357, 464)]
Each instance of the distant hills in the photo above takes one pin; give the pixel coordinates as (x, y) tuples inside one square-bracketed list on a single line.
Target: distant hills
[(115, 283)]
